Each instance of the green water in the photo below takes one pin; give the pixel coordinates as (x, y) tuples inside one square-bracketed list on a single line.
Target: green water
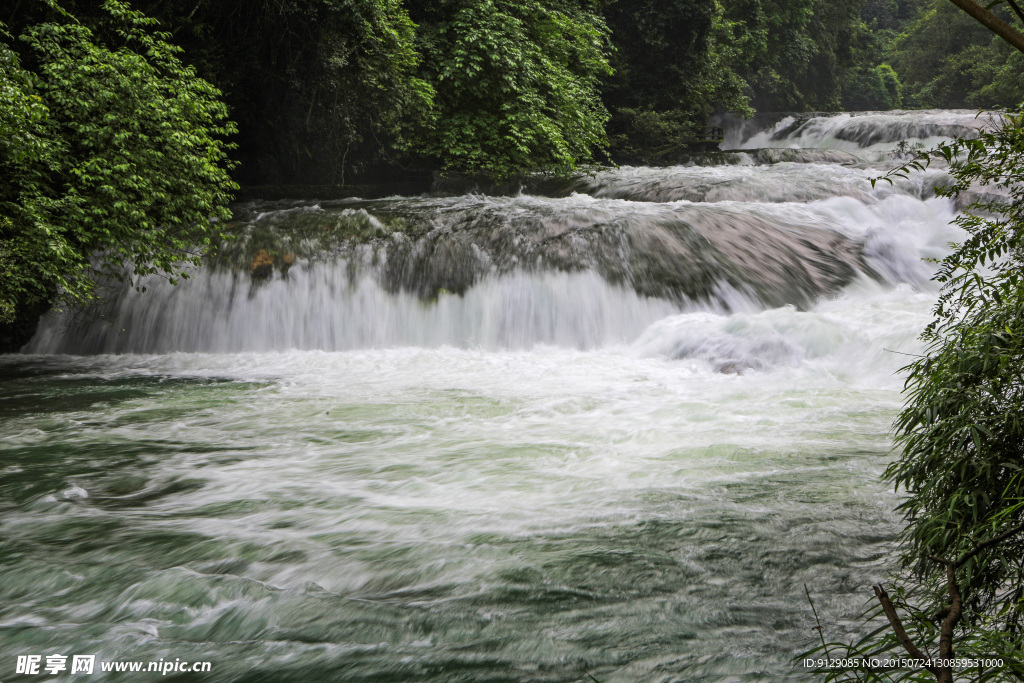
[(442, 515)]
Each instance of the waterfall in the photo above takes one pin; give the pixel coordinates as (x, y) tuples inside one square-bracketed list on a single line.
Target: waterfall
[(614, 252), (619, 423)]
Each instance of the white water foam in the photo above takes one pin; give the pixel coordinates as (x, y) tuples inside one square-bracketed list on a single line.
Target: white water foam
[(869, 135)]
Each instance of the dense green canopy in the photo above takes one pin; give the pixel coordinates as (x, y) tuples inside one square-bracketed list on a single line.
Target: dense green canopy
[(329, 91), (515, 83), (113, 157)]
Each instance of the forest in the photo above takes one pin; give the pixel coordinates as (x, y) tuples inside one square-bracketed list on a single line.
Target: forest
[(355, 91)]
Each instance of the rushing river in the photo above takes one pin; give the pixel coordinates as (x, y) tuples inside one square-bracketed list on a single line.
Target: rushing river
[(612, 432)]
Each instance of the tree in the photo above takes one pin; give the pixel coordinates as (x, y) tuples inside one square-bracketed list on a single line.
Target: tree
[(796, 52), (115, 160), (322, 90), (674, 64), (516, 84), (877, 88), (962, 429), (989, 20), (946, 59), (959, 592), (34, 256)]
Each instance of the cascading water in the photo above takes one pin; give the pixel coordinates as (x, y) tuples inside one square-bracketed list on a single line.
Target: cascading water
[(608, 433), (867, 135)]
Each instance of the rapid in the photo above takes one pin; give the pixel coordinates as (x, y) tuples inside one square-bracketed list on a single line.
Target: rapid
[(610, 430)]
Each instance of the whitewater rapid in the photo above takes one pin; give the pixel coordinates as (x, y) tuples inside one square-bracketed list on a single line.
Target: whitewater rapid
[(612, 432)]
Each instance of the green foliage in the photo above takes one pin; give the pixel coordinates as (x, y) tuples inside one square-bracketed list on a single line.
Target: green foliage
[(33, 253), (326, 91), (322, 89), (645, 136), (962, 430), (516, 85), (947, 59), (674, 64), (886, 19), (871, 89), (116, 162), (796, 52), (361, 86), (331, 91), (942, 58)]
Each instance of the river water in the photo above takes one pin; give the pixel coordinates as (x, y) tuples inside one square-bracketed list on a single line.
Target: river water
[(613, 432)]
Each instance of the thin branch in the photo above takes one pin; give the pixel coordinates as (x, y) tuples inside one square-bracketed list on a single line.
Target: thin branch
[(903, 353), (187, 19), (1017, 10), (989, 543), (978, 548), (821, 632)]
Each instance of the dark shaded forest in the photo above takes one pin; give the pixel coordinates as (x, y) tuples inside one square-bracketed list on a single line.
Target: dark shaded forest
[(343, 91)]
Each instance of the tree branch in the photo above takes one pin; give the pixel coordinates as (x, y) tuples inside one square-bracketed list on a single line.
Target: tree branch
[(897, 627), (995, 540), (956, 609), (989, 543), (951, 615), (992, 22)]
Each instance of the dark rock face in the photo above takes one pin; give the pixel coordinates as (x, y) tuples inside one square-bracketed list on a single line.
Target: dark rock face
[(680, 252)]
